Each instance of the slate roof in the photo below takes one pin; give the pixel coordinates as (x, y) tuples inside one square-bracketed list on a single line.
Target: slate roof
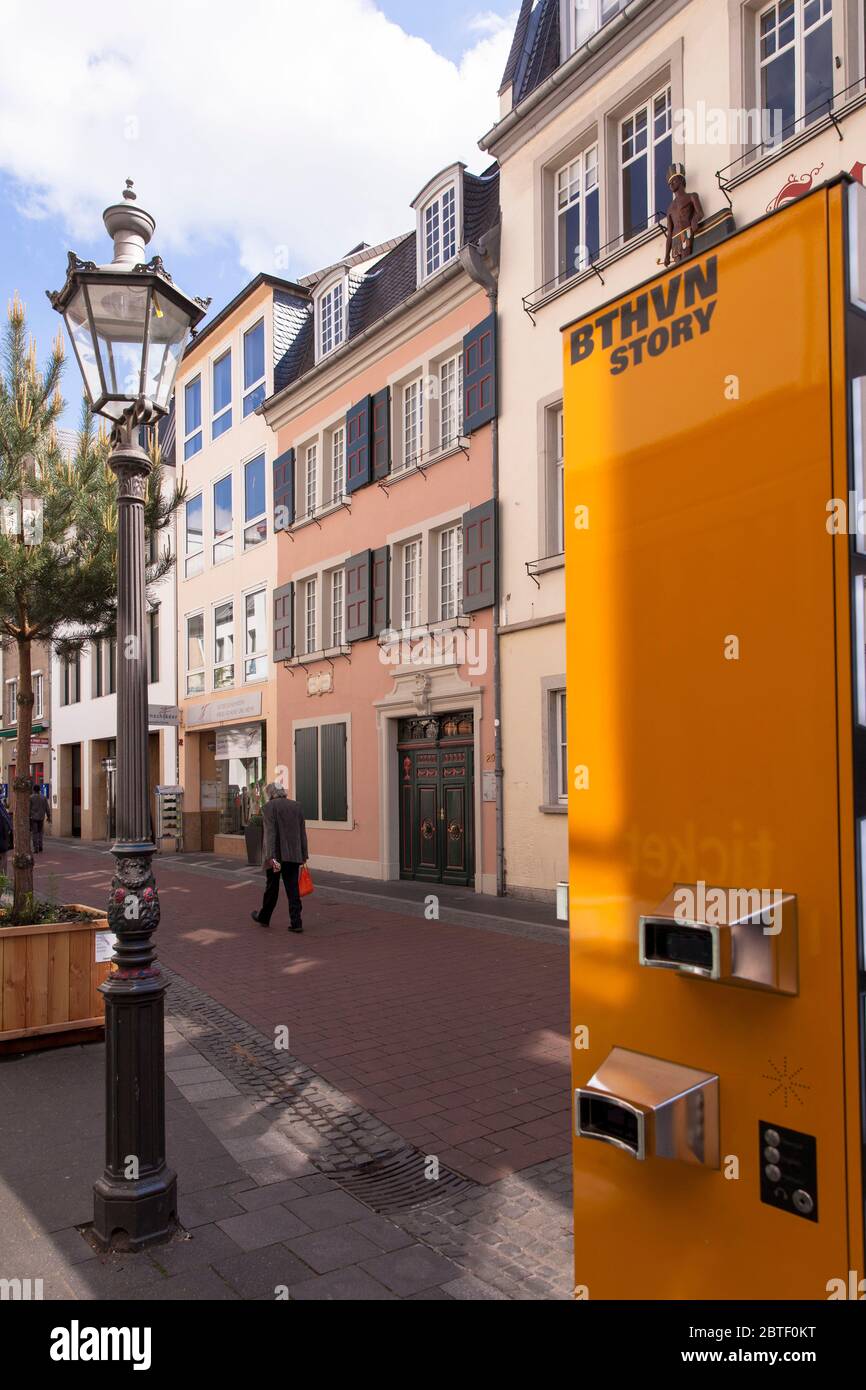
[(540, 51), (381, 287), (517, 43)]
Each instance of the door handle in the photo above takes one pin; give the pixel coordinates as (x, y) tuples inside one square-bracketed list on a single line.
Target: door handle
[(441, 812)]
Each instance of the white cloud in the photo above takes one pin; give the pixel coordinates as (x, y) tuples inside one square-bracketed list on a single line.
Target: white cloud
[(291, 128)]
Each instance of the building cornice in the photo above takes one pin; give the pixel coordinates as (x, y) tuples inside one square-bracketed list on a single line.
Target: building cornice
[(437, 297)]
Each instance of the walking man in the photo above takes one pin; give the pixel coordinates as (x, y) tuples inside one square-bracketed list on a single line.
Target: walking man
[(39, 809), (284, 850)]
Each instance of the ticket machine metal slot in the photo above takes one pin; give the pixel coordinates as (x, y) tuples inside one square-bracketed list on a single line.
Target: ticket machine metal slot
[(651, 1108), (735, 936)]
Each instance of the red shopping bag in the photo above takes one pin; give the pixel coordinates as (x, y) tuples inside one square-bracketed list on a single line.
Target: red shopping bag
[(305, 881)]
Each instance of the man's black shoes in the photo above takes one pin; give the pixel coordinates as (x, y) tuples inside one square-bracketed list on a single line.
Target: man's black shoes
[(256, 918)]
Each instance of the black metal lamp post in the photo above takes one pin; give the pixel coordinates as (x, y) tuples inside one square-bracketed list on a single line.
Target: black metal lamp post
[(129, 325)]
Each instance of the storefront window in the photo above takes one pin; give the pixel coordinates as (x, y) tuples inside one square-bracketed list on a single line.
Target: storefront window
[(240, 775)]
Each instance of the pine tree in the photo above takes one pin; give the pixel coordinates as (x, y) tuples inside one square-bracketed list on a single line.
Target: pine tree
[(58, 540)]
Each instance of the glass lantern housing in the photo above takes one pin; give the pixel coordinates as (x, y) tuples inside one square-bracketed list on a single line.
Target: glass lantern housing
[(129, 331)]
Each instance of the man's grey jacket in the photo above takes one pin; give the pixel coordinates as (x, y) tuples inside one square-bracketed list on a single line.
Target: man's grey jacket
[(39, 807), (285, 833)]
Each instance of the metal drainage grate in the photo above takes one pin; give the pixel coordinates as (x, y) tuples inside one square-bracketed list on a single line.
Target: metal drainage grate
[(398, 1182)]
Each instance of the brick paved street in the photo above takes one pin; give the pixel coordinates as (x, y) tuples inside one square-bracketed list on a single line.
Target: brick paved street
[(307, 1168)]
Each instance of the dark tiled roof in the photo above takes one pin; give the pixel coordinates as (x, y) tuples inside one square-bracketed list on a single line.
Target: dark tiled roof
[(376, 291), (389, 282), (540, 55), (480, 203), (291, 313), (517, 43)]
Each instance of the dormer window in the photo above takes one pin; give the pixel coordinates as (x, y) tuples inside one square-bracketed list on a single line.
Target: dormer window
[(331, 319), (439, 213), (440, 231)]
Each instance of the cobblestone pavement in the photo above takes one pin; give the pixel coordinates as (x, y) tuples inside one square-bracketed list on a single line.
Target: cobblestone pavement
[(422, 1097), (512, 1238)]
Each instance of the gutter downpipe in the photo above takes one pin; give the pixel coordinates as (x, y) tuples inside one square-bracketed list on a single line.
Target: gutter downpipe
[(481, 264), (598, 40)]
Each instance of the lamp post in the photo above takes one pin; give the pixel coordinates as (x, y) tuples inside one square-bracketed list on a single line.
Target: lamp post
[(129, 325)]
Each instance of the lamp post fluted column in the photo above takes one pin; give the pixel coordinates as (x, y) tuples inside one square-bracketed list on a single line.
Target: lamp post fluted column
[(137, 1194)]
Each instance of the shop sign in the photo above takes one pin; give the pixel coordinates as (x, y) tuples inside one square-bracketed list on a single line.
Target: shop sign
[(222, 711)]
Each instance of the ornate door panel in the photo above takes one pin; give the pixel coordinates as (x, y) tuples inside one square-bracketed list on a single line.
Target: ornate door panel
[(436, 802)]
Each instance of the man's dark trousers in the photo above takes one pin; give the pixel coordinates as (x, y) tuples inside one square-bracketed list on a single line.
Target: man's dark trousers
[(289, 873), (36, 828)]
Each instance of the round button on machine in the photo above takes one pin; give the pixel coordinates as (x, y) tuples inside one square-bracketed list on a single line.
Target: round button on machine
[(803, 1201), (772, 1137), (773, 1173), (772, 1155)]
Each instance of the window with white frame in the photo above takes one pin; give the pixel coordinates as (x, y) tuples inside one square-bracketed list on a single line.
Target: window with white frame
[(450, 400), (412, 421), (192, 417), (338, 463), (795, 63), (331, 309), (222, 395), (12, 702), (311, 471), (254, 367), (439, 227), (223, 524), (577, 216), (645, 157), (38, 695), (255, 520), (255, 636), (557, 481), (194, 558), (559, 746), (337, 607), (195, 653), (451, 571), (310, 600), (223, 645), (586, 17), (410, 584)]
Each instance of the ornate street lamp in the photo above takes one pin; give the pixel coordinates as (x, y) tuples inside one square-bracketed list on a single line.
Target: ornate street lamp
[(129, 325)]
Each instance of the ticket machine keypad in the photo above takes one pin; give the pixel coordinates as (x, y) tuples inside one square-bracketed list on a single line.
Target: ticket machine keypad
[(789, 1169)]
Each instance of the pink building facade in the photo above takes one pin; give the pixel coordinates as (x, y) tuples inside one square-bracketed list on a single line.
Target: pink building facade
[(385, 519)]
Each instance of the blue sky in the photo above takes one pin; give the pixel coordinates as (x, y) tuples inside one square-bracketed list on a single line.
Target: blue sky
[(253, 153)]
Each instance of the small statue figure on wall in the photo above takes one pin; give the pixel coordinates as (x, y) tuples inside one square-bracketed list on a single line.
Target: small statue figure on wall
[(685, 215)]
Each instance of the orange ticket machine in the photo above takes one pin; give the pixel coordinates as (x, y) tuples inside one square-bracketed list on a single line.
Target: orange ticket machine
[(715, 430)]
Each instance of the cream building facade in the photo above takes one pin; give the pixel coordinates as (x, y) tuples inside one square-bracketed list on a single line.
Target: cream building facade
[(760, 102)]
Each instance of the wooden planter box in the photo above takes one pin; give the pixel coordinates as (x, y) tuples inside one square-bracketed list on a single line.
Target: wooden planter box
[(49, 977)]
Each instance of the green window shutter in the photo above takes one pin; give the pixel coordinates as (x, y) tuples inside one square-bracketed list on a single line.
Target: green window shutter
[(284, 490), (381, 589), (307, 771), (479, 557), (284, 603), (479, 375), (382, 433), (335, 798), (356, 597)]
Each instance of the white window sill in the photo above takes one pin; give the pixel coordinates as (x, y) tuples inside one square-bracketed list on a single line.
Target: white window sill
[(555, 808)]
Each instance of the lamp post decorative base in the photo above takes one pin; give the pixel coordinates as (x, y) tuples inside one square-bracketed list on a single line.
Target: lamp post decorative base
[(135, 1201)]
